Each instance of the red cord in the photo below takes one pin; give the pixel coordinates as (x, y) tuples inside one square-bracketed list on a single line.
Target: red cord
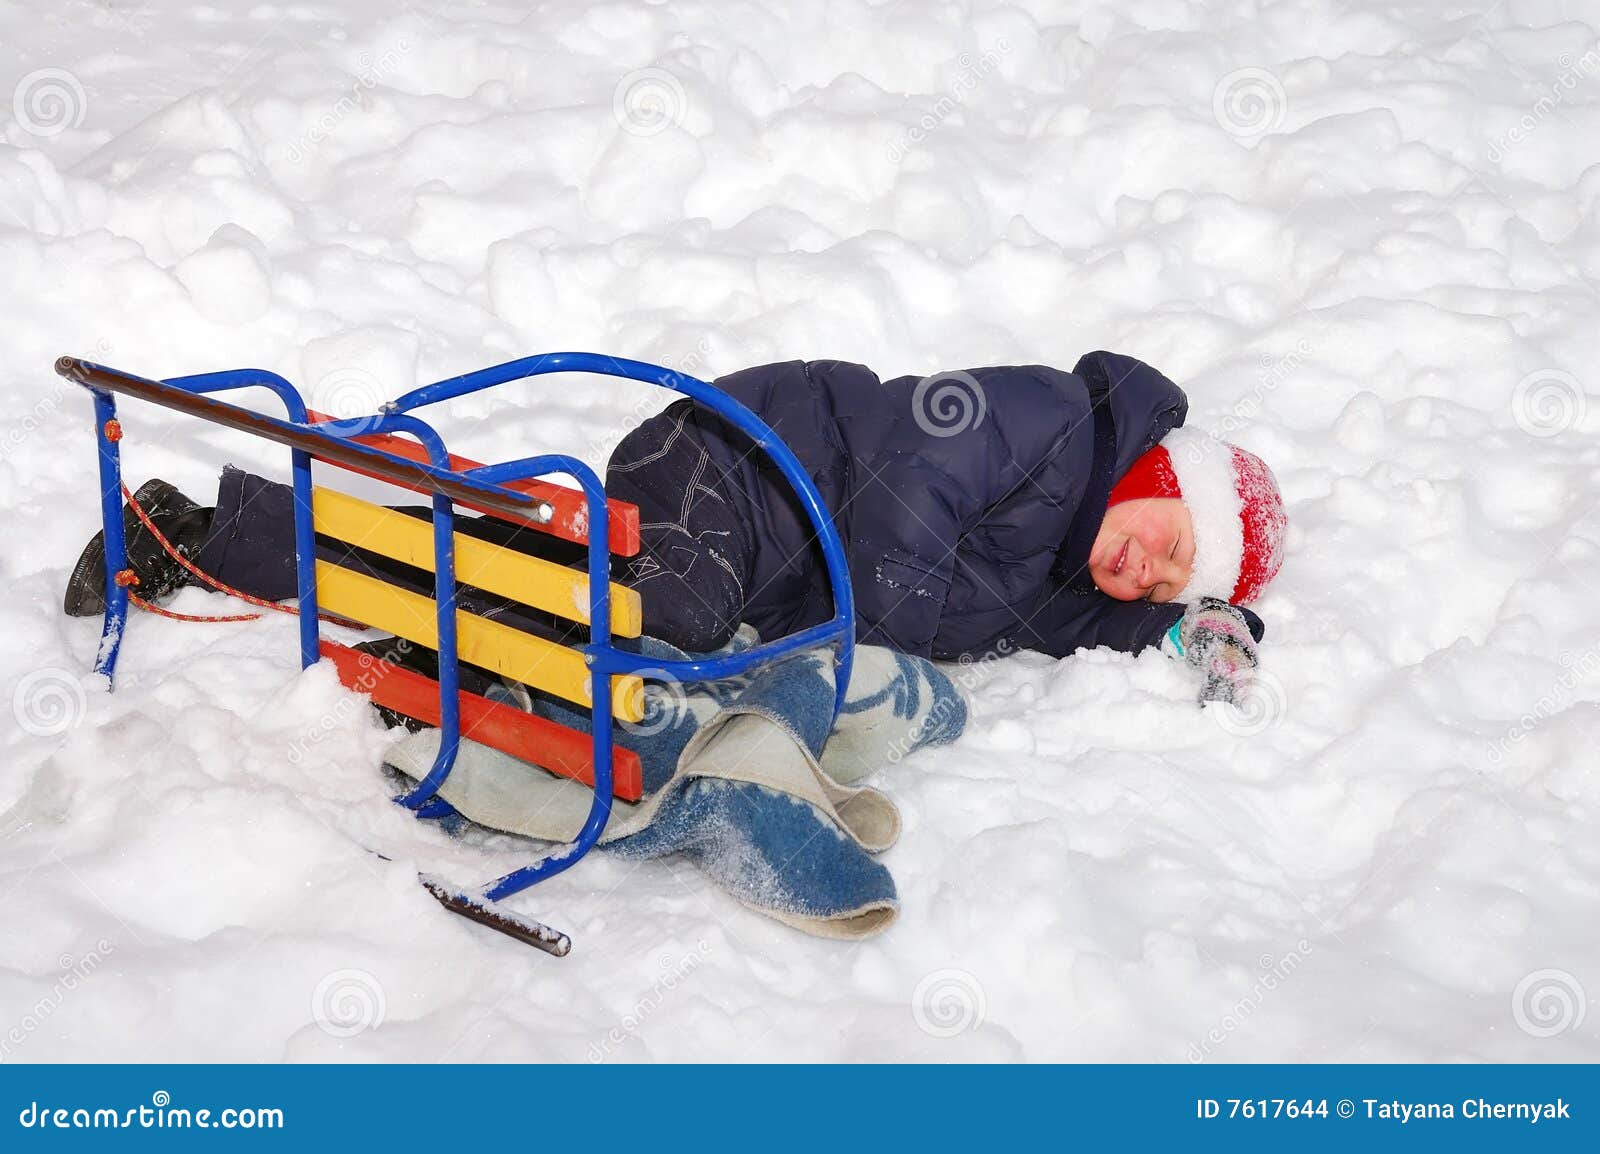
[(151, 607), (128, 577)]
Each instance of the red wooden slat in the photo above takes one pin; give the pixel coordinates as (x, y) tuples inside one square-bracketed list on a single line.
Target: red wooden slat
[(570, 519), (549, 745)]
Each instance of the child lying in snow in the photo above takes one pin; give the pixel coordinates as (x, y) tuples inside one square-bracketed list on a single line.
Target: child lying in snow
[(1057, 511)]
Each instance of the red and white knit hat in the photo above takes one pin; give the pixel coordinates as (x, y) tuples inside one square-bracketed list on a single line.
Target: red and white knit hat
[(1235, 506)]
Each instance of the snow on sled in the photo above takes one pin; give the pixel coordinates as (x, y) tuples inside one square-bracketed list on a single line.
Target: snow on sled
[(597, 675)]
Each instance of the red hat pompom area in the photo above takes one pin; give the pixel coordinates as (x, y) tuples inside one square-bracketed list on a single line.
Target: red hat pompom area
[(1234, 505)]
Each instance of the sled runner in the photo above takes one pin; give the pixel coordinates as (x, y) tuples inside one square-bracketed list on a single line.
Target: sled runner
[(596, 675)]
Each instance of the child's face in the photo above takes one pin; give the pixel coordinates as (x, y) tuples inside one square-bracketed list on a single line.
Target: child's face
[(1144, 550)]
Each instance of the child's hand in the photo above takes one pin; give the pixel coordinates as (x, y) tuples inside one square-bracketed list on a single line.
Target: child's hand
[(1214, 638)]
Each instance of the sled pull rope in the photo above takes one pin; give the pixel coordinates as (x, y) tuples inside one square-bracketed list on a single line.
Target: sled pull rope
[(129, 579)]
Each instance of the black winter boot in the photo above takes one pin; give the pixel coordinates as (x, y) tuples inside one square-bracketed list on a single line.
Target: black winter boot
[(180, 520)]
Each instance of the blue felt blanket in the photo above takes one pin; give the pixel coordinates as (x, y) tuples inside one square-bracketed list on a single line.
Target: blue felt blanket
[(752, 779)]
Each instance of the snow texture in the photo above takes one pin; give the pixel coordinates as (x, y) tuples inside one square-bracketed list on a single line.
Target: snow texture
[(1364, 237)]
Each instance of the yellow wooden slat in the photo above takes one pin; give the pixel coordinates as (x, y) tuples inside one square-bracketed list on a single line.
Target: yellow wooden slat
[(518, 655), (494, 568)]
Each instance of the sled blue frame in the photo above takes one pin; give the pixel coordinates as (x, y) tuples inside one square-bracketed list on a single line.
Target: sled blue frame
[(484, 487)]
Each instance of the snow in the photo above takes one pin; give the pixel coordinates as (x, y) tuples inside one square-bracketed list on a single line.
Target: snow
[(1364, 238)]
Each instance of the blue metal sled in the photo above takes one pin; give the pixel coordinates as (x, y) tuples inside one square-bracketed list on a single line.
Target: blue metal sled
[(495, 489)]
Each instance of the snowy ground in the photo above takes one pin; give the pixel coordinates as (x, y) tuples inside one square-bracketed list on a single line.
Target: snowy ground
[(1364, 237)]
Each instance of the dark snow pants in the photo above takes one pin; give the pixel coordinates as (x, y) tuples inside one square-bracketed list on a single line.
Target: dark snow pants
[(689, 569)]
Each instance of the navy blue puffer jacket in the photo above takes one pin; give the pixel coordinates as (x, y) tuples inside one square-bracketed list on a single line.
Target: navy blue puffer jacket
[(967, 502)]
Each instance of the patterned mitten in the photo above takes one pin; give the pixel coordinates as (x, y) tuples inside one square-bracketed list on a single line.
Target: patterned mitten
[(1214, 638)]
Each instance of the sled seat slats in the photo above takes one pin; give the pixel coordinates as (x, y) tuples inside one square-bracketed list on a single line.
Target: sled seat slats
[(531, 580), (569, 519), (539, 740), (511, 652)]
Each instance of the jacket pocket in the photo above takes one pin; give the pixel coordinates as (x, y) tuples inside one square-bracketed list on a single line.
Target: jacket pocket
[(902, 600), (921, 578)]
